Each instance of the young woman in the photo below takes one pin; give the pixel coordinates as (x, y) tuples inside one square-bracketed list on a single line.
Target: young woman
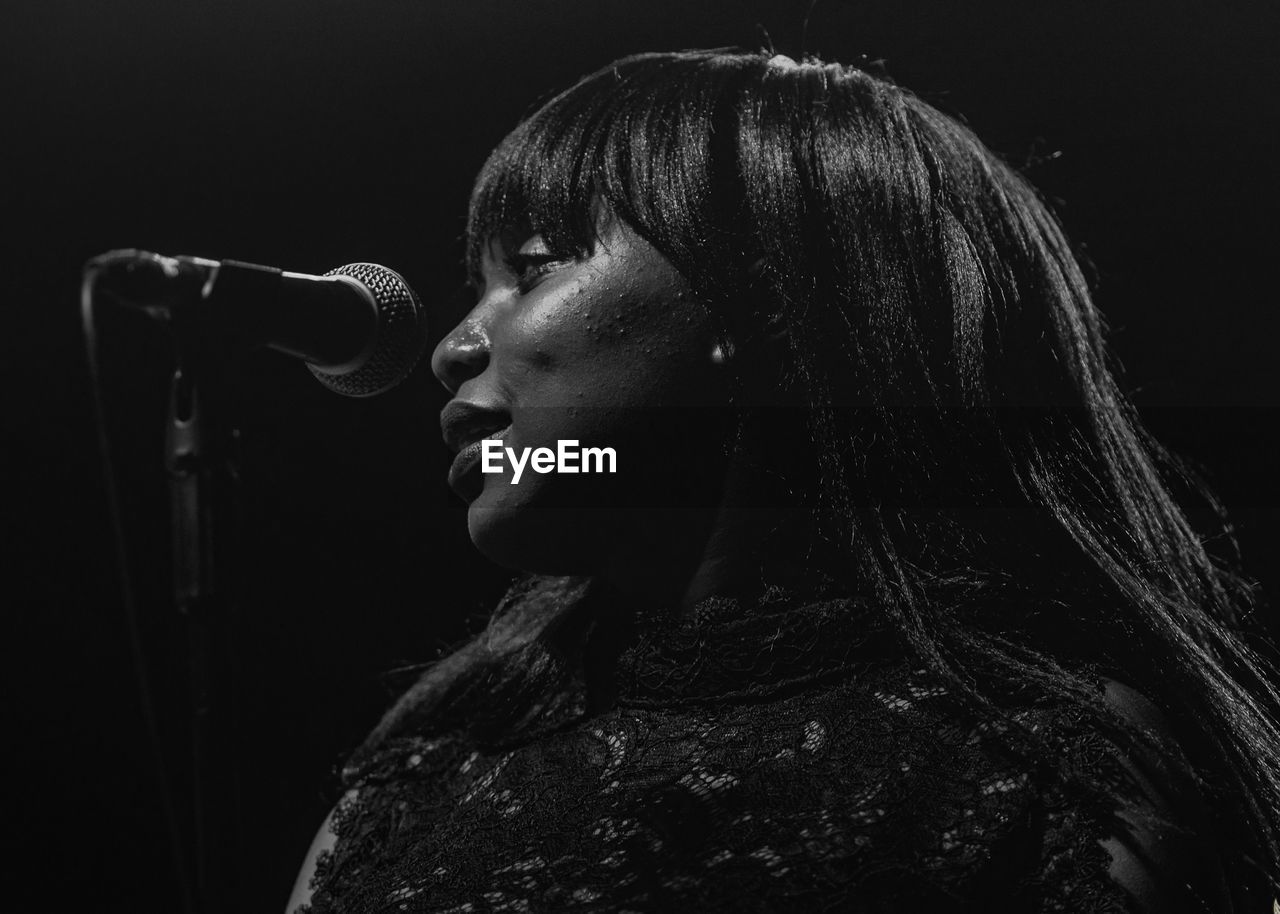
[(889, 603)]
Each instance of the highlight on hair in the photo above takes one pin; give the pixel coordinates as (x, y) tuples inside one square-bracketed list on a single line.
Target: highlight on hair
[(979, 472)]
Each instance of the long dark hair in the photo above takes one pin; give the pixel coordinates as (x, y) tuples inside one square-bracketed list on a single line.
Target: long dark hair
[(982, 477)]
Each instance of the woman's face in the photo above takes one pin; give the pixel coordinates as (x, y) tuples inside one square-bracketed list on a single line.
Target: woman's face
[(610, 350)]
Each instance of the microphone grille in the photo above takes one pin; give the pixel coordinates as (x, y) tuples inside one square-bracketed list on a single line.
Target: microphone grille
[(400, 340)]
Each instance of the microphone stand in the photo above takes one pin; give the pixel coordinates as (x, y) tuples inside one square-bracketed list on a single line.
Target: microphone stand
[(217, 309), (201, 463)]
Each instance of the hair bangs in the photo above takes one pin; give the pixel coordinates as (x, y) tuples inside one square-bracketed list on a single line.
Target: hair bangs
[(631, 141)]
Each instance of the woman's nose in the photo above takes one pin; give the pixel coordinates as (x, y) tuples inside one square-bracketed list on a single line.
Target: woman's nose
[(461, 355)]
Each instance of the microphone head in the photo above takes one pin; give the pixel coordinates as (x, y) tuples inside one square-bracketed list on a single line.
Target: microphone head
[(399, 340)]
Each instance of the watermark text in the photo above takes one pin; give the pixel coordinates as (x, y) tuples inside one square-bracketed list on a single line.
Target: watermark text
[(566, 458)]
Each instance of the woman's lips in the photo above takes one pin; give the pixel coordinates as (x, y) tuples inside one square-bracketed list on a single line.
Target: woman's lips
[(464, 474)]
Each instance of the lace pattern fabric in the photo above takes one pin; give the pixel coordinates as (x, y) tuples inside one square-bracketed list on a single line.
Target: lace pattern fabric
[(782, 758)]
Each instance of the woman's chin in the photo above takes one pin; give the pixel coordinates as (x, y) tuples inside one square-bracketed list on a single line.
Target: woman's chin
[(526, 536)]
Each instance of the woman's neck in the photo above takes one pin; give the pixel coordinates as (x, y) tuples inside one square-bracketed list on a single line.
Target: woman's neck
[(677, 557)]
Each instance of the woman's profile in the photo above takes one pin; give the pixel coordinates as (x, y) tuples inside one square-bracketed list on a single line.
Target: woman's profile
[(889, 602)]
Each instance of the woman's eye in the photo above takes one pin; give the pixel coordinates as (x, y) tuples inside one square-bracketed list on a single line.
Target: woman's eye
[(527, 268)]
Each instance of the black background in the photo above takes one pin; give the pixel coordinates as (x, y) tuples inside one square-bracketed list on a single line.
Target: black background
[(311, 134)]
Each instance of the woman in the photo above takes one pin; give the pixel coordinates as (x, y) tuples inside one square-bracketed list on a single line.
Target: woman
[(888, 605)]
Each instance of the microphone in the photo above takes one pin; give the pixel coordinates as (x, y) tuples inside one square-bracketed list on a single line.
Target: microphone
[(359, 328)]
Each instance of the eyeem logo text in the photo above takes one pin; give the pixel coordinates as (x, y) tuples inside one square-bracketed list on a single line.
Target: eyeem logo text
[(566, 458)]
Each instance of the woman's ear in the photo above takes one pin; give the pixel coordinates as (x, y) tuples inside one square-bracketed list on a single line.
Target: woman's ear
[(759, 363), (758, 349), (721, 352)]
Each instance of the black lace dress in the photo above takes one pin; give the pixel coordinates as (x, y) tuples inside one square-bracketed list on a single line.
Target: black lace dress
[(776, 756)]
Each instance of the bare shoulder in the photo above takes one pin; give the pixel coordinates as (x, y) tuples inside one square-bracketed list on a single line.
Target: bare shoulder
[(1156, 857), (324, 840)]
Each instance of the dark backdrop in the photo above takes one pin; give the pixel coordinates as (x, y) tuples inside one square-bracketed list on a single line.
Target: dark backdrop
[(311, 133)]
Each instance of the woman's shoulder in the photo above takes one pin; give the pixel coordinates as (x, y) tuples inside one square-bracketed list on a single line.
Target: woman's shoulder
[(1159, 852), (1100, 807), (883, 771), (1067, 808), (1039, 803)]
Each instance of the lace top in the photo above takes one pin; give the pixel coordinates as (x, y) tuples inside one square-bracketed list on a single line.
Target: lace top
[(774, 757)]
